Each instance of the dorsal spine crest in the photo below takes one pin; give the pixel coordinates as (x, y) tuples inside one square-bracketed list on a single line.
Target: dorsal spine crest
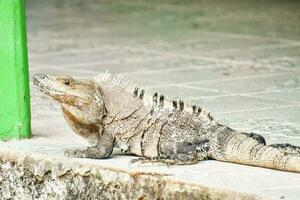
[(194, 107), (142, 94), (181, 105), (157, 100), (136, 91), (161, 101), (210, 117), (199, 111), (154, 98), (175, 104)]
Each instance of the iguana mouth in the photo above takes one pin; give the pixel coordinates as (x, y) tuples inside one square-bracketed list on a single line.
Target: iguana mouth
[(43, 83)]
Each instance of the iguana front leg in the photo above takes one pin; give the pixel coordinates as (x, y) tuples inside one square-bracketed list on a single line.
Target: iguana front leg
[(102, 150)]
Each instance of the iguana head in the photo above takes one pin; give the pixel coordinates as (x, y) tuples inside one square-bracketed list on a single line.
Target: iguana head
[(79, 96), (90, 99)]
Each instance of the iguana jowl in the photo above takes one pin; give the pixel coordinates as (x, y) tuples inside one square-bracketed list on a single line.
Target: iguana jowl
[(110, 112)]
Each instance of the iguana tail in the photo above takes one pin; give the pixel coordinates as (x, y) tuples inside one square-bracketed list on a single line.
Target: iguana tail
[(232, 146)]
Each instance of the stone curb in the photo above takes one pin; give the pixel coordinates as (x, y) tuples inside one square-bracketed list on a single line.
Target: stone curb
[(34, 176)]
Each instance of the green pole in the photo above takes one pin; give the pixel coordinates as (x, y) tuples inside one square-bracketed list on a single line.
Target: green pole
[(14, 79)]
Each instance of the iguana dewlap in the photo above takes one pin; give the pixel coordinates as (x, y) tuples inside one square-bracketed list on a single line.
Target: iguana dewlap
[(110, 112)]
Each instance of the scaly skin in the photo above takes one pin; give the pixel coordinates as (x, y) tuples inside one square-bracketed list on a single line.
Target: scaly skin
[(109, 112)]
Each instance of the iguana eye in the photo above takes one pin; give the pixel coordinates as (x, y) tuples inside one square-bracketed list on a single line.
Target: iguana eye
[(97, 98), (67, 82)]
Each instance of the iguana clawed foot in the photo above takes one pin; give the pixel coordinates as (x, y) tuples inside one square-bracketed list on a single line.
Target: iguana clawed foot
[(91, 152), (73, 153)]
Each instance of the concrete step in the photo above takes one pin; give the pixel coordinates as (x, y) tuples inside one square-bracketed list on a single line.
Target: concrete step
[(36, 176)]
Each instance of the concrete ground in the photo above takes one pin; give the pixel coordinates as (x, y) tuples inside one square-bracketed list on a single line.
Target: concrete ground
[(239, 59)]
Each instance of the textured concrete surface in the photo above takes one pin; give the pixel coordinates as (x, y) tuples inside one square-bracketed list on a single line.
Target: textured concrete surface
[(240, 60), (32, 176)]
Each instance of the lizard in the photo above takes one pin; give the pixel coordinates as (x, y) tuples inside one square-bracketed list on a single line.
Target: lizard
[(111, 112)]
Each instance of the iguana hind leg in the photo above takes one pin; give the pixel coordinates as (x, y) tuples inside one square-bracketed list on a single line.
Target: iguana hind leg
[(180, 159), (287, 148), (182, 152)]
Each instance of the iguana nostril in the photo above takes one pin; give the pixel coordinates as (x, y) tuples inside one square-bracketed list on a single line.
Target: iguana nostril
[(39, 76)]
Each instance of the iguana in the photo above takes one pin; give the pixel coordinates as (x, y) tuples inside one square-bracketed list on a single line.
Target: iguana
[(111, 112)]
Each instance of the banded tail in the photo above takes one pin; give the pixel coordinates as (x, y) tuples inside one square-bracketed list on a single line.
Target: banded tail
[(240, 148)]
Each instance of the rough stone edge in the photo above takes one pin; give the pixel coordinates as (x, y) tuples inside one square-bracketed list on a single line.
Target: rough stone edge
[(147, 185)]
